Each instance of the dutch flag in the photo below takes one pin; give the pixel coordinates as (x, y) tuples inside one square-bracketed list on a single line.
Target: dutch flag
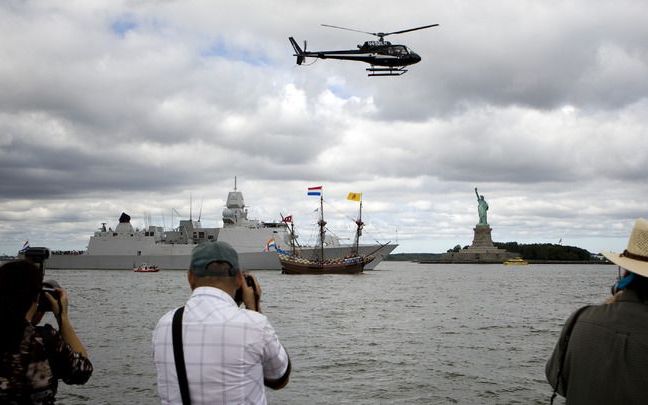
[(270, 244), (315, 190)]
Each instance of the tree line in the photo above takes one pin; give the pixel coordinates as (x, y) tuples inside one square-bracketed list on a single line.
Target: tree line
[(531, 251), (546, 251)]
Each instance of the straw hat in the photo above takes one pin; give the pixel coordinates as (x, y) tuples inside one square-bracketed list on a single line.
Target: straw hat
[(635, 257)]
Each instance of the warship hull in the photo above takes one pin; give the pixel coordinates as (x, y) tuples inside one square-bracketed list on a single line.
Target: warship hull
[(180, 261)]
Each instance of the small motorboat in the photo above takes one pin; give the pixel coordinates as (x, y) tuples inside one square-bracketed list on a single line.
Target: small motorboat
[(516, 261), (146, 268)]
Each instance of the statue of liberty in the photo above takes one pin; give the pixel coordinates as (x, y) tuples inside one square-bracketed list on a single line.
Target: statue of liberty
[(482, 207)]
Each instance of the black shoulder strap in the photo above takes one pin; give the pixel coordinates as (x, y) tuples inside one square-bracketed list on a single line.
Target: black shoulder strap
[(178, 356), (563, 354)]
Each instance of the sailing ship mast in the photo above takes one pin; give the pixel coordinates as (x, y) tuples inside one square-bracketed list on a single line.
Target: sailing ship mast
[(322, 224), (359, 225), (292, 239), (291, 229)]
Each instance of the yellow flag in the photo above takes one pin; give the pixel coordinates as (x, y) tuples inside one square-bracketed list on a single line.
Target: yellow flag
[(354, 196)]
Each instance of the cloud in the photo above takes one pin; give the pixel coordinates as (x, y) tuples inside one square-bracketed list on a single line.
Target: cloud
[(106, 107)]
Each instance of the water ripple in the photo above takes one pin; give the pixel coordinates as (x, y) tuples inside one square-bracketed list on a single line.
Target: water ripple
[(403, 334)]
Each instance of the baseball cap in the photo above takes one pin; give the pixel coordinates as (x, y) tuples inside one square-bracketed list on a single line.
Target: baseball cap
[(213, 251)]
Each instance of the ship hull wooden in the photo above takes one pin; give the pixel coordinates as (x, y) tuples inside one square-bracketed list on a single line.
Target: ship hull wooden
[(316, 268), (295, 265)]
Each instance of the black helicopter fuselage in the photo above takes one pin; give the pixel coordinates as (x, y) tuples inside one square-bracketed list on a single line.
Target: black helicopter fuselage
[(375, 53), (385, 58)]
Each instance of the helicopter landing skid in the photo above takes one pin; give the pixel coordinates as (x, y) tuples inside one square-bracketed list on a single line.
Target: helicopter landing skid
[(386, 71)]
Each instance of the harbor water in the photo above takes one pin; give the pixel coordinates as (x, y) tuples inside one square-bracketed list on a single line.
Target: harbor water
[(404, 333)]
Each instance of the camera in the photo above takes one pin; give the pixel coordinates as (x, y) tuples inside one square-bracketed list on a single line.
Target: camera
[(37, 255), (238, 296), (49, 286)]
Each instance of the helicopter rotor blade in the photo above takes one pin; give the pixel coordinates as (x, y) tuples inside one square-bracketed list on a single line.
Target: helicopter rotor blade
[(349, 29), (408, 30)]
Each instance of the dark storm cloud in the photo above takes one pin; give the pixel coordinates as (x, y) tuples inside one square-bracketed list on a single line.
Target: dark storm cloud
[(44, 169)]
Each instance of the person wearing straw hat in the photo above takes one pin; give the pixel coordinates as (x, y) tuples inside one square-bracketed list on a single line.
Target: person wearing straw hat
[(602, 354)]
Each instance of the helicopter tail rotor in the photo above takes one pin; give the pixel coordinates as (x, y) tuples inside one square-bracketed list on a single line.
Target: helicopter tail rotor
[(299, 53)]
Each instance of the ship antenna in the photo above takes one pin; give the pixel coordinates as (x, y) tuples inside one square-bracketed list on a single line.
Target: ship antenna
[(190, 208), (234, 183), (177, 213), (200, 212)]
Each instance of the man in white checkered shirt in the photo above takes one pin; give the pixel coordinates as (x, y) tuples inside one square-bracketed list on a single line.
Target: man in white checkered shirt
[(230, 353)]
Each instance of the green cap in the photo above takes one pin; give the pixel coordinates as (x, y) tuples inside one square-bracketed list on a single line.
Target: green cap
[(213, 251)]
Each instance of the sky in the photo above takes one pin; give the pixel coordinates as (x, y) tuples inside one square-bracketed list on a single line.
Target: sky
[(154, 107)]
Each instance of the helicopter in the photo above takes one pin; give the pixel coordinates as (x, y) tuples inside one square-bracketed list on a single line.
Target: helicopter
[(385, 58)]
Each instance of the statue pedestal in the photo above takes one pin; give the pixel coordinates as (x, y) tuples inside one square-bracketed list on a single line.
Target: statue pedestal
[(482, 249), (482, 237)]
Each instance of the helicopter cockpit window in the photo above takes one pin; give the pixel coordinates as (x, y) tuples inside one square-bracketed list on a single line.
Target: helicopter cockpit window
[(398, 50)]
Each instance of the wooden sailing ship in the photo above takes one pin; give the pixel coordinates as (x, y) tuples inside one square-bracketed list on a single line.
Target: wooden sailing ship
[(353, 263)]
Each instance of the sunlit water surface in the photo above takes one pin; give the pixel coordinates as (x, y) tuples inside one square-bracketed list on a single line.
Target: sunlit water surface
[(405, 333)]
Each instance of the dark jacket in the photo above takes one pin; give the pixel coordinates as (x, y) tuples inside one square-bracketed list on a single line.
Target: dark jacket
[(31, 374), (607, 354)]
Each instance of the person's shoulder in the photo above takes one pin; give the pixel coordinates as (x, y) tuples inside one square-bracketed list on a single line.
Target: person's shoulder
[(585, 311), (622, 308), (253, 318), (163, 327), (600, 314), (166, 319), (577, 316)]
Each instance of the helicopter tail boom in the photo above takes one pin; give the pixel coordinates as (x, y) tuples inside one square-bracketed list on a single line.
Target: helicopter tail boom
[(299, 53)]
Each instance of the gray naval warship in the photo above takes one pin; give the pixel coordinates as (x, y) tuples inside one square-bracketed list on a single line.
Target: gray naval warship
[(255, 241)]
